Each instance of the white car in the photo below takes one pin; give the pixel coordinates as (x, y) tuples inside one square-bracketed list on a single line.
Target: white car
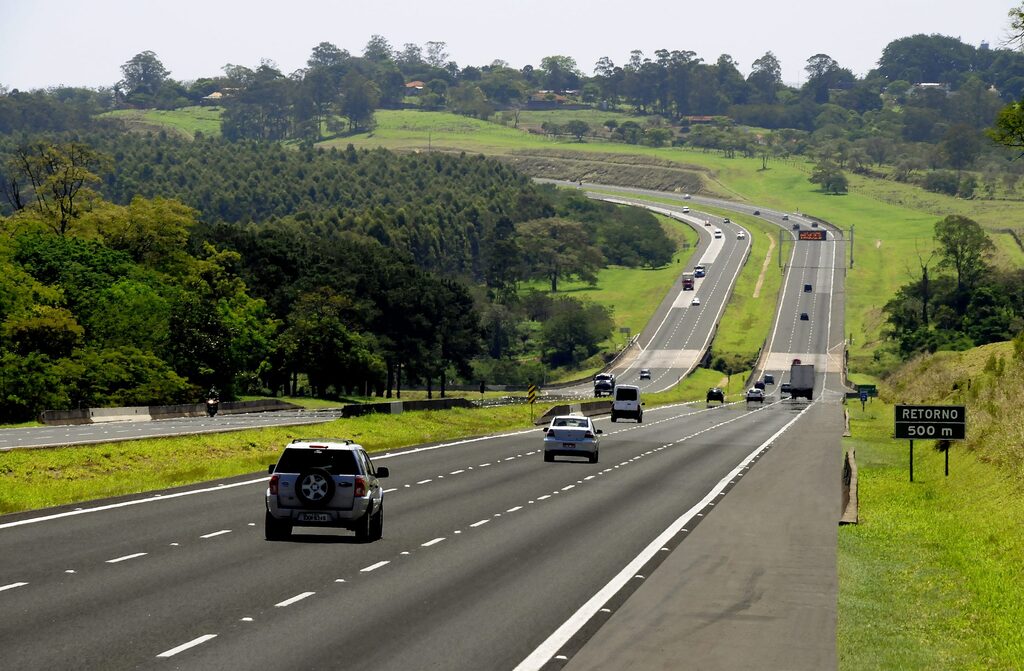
[(718, 232), (686, 196), (741, 236), (571, 436), (755, 395), (686, 210), (785, 217), (695, 301)]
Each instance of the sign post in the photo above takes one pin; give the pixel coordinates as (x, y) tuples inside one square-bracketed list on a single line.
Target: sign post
[(531, 398), (938, 422)]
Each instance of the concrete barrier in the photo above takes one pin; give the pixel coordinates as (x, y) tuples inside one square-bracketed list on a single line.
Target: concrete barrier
[(147, 413), (851, 502), (134, 414), (398, 407), (588, 409)]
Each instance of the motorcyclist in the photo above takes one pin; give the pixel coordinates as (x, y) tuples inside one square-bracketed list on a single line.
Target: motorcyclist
[(212, 401)]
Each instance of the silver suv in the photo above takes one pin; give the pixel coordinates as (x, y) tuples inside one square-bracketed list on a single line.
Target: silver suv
[(320, 483)]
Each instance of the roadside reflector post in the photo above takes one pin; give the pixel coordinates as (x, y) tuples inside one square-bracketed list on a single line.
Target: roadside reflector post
[(911, 461)]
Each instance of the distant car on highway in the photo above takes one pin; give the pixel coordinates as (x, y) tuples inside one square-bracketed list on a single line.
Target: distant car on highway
[(571, 436), (321, 483), (755, 395), (804, 316), (686, 210), (716, 394), (699, 271), (807, 288), (604, 383), (759, 385), (769, 378), (707, 222), (686, 196), (741, 236), (757, 213), (785, 217), (726, 220), (718, 232), (695, 301), (785, 388), (814, 224), (645, 373)]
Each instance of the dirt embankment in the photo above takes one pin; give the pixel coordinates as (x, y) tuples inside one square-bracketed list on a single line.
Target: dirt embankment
[(616, 169)]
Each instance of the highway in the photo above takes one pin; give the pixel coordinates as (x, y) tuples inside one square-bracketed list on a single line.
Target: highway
[(491, 558)]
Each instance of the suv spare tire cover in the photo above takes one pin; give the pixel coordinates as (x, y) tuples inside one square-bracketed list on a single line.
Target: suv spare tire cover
[(315, 487)]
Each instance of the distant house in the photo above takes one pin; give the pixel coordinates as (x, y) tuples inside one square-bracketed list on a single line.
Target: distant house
[(414, 87), (214, 98), (545, 100)]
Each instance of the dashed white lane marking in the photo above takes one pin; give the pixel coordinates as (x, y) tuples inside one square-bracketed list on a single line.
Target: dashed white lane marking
[(374, 567), (246, 619), (126, 557), (13, 585), (393, 489), (567, 487), (185, 646), (479, 524), (434, 541), (512, 510), (487, 464), (297, 597), (70, 570), (461, 470), (546, 496), (423, 482), (217, 533)]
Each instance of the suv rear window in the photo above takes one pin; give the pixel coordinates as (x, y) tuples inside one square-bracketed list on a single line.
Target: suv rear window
[(625, 394), (337, 462)]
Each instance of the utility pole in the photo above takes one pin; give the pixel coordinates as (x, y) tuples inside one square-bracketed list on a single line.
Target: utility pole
[(851, 245)]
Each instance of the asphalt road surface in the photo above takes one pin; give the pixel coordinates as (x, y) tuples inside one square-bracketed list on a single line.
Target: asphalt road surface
[(491, 558)]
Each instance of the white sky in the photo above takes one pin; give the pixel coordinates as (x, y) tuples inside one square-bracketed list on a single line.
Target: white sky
[(46, 43)]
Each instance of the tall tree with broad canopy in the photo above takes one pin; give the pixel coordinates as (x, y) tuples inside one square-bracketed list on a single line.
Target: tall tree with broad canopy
[(557, 248), (143, 74), (965, 248)]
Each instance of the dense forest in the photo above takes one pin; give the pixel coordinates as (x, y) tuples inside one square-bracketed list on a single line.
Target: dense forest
[(141, 268)]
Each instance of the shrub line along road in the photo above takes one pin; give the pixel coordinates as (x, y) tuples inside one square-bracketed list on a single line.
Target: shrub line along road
[(489, 555)]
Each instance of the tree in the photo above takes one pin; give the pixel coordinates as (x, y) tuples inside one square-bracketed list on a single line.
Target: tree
[(378, 50), (437, 54), (61, 179), (1009, 127), (558, 248), (573, 331), (577, 128), (359, 99), (765, 78), (964, 247), (961, 146), (829, 176), (560, 73), (144, 74)]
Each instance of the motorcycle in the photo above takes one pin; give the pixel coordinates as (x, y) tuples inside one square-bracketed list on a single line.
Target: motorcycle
[(212, 405)]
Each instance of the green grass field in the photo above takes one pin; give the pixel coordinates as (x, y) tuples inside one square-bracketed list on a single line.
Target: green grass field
[(931, 578), (185, 121)]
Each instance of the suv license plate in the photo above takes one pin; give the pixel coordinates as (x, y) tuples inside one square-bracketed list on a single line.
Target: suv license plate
[(314, 517), (569, 446)]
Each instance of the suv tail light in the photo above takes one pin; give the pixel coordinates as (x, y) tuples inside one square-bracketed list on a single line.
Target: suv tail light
[(360, 488), (273, 485)]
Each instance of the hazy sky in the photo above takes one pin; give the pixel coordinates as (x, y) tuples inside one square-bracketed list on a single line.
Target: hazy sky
[(46, 43)]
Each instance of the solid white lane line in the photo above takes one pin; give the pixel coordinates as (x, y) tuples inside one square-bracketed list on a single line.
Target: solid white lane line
[(185, 646), (546, 650), (374, 567), (126, 557), (432, 542), (13, 585), (480, 523), (151, 499), (217, 533), (297, 597)]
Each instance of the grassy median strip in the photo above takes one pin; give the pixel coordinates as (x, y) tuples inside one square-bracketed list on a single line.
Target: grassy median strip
[(33, 479), (932, 577)]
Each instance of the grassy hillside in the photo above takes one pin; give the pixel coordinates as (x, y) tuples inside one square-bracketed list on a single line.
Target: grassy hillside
[(931, 578), (185, 121), (892, 222)]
